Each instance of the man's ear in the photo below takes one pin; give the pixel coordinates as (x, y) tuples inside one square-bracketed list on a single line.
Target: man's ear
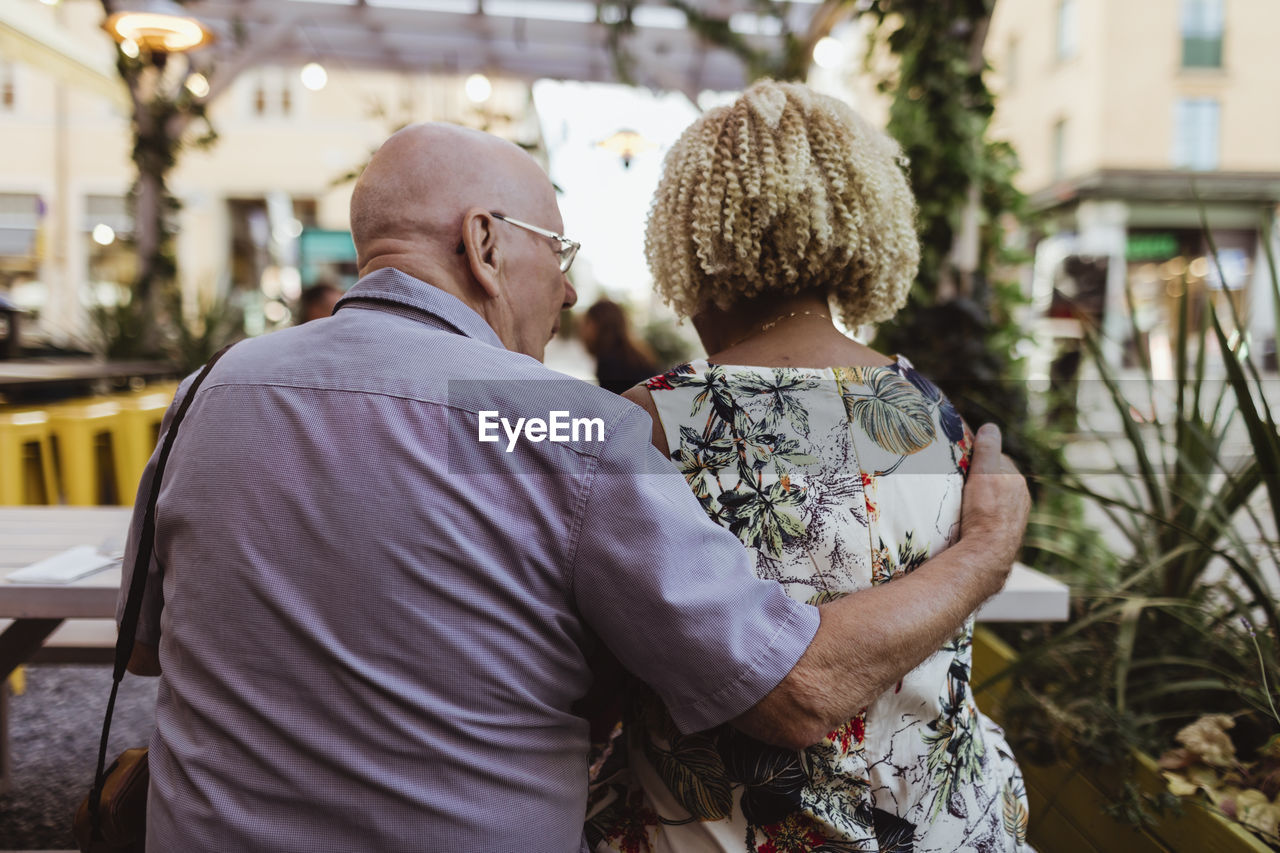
[(479, 244)]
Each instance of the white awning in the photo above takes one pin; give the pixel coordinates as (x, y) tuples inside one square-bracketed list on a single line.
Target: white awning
[(524, 39)]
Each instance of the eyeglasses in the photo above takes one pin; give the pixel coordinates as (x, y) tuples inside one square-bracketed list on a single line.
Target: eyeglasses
[(568, 248)]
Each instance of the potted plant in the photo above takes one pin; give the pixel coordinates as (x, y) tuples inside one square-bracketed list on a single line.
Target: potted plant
[(1172, 649)]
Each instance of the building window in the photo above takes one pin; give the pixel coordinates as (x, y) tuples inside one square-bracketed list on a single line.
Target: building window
[(1195, 134), (1060, 149), (20, 220), (271, 93), (1201, 33), (107, 227), (8, 87), (1068, 40)]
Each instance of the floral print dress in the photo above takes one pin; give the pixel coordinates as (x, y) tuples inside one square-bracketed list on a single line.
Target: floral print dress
[(836, 480)]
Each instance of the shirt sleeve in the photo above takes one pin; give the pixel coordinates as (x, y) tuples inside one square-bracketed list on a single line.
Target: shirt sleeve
[(153, 596), (673, 594)]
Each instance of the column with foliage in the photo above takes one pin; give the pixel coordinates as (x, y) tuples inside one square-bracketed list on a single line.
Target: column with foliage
[(960, 325), (163, 109)]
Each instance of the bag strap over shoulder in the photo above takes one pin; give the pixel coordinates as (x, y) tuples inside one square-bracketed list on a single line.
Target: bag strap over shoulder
[(138, 583)]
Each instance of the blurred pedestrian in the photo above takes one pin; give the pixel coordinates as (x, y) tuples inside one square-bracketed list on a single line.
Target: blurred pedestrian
[(622, 360), (318, 301)]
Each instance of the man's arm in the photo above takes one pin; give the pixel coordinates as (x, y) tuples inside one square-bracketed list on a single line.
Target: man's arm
[(869, 640)]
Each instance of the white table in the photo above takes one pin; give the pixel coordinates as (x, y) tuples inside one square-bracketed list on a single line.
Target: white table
[(33, 612), (28, 534), (1028, 596)]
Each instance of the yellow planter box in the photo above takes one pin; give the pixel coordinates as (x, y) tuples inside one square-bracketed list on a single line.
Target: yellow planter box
[(1068, 805)]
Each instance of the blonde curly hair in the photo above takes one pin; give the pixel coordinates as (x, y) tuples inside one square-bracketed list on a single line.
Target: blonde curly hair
[(782, 191)]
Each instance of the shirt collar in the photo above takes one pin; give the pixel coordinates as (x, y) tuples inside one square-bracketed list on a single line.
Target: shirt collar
[(390, 285)]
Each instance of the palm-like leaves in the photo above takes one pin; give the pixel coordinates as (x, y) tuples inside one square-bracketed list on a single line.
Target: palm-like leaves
[(758, 445), (713, 387), (695, 774), (1014, 814), (772, 778), (952, 423), (780, 392), (955, 756), (891, 411), (1158, 638), (764, 518), (701, 456), (885, 565)]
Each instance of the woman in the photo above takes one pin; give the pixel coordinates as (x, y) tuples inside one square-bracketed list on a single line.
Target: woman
[(621, 360), (838, 468)]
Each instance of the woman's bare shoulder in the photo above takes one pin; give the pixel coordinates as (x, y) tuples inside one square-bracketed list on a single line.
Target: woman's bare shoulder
[(641, 397)]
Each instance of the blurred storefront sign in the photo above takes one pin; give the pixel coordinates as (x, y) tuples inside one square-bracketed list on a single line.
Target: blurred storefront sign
[(1159, 246), (327, 257)]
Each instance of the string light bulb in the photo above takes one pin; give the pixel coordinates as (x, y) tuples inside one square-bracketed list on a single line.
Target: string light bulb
[(314, 77)]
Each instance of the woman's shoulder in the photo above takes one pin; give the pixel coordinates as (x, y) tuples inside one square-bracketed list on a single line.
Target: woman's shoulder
[(700, 372), (900, 395), (677, 377)]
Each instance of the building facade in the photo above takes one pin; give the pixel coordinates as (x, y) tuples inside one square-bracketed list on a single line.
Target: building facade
[(1130, 119), (263, 209)]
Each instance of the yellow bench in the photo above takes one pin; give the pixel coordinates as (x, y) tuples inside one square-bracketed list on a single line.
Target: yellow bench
[(25, 480), (78, 427), (136, 433)]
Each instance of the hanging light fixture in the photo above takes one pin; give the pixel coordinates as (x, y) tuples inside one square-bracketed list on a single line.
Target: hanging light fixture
[(157, 26), (626, 144)]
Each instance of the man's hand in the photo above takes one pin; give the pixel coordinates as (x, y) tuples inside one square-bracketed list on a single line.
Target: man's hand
[(996, 503)]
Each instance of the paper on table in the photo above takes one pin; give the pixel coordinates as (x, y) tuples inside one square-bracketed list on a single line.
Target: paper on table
[(71, 565)]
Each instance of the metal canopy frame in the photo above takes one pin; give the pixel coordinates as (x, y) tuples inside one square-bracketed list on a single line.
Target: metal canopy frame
[(522, 39)]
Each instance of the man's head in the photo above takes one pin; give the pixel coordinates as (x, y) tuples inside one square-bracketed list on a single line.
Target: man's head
[(425, 205)]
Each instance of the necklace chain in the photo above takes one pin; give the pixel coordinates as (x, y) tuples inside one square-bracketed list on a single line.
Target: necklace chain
[(775, 321)]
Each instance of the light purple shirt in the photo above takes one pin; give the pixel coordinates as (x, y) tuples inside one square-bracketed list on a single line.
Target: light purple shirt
[(373, 625)]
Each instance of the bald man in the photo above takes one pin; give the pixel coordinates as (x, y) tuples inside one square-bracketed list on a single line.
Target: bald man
[(388, 542)]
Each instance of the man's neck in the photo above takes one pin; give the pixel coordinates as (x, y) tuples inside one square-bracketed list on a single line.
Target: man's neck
[(427, 272)]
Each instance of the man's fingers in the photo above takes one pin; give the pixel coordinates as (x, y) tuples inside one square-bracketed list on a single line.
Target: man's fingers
[(986, 449), (988, 455)]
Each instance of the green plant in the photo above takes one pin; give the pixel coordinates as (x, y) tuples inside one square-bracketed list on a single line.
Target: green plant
[(193, 335), (1181, 621), (121, 330), (669, 346), (184, 334), (1206, 763), (960, 325), (162, 112)]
